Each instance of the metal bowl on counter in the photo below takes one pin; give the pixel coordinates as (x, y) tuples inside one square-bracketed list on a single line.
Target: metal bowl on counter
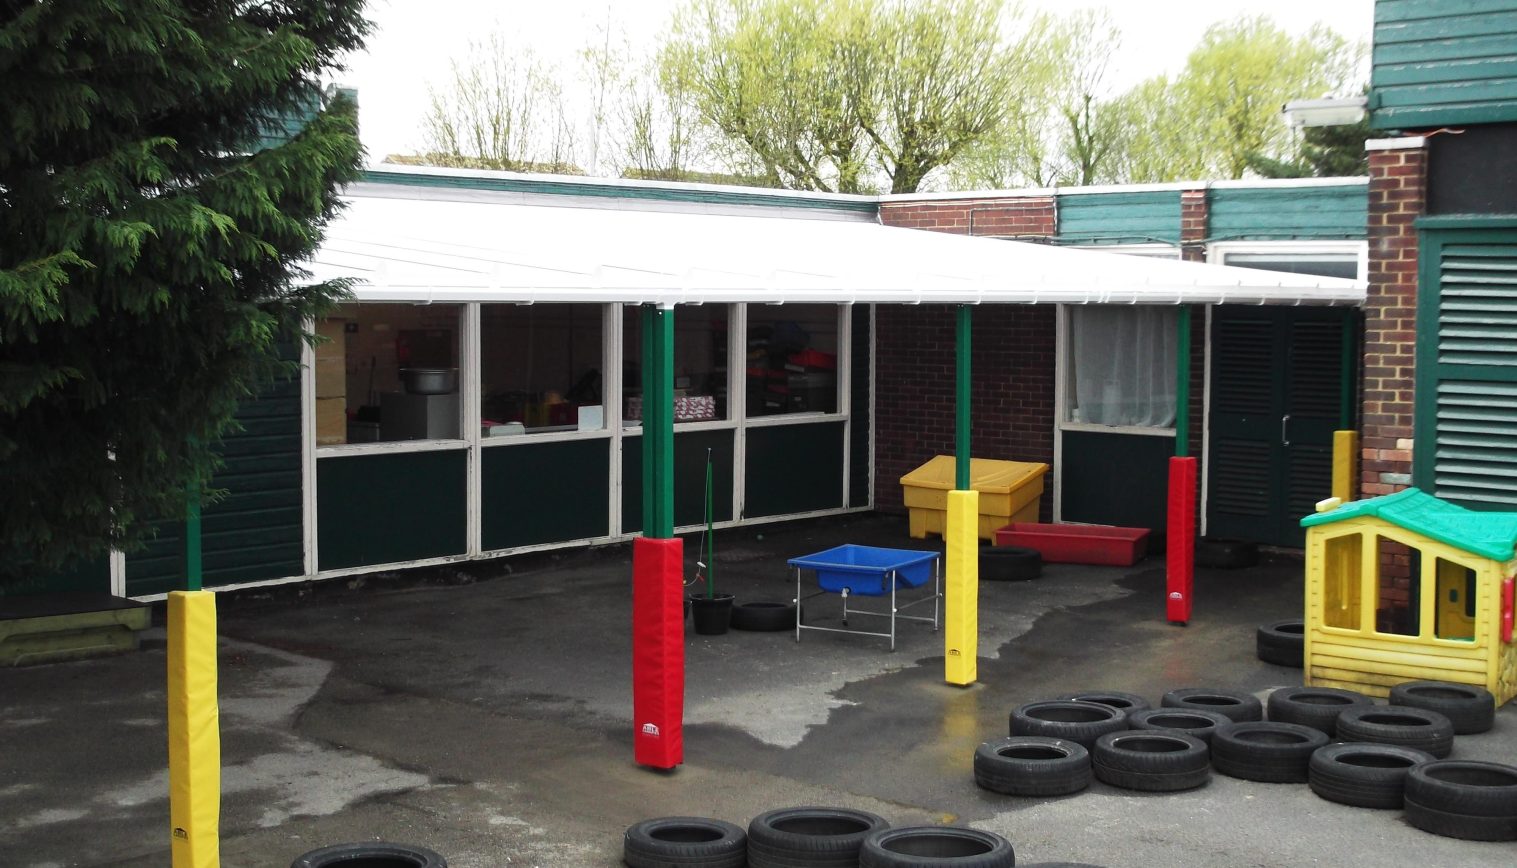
[(430, 381)]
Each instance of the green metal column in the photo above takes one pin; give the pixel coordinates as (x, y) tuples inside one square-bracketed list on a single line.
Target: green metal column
[(961, 402), (1346, 374), (658, 422), (194, 569), (1182, 385)]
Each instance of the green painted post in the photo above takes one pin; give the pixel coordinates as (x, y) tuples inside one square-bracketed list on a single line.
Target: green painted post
[(1182, 385), (658, 422), (1346, 375), (193, 565), (961, 402)]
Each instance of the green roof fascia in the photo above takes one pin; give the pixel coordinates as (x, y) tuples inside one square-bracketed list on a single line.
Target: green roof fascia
[(1491, 535), (618, 191)]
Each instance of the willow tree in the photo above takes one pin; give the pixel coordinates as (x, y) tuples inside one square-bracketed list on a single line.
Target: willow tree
[(151, 232)]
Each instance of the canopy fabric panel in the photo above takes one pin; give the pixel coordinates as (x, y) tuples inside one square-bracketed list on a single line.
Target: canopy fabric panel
[(399, 245)]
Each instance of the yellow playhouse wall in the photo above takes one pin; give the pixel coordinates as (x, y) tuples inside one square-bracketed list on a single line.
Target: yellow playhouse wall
[(1372, 662)]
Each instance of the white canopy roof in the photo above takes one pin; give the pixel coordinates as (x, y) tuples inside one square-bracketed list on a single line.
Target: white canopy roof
[(409, 244)]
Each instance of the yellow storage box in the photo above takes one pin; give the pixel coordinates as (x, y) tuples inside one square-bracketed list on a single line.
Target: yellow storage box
[(1009, 491)]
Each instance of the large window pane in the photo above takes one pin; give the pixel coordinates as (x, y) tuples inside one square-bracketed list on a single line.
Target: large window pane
[(700, 363), (1344, 265), (792, 359), (388, 372), (1122, 365), (540, 368)]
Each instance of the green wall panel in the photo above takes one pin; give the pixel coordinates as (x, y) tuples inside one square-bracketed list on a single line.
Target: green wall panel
[(1443, 62), (383, 509), (1116, 479), (1120, 218), (689, 478), (793, 468), (858, 431), (90, 576), (544, 493), (1265, 213)]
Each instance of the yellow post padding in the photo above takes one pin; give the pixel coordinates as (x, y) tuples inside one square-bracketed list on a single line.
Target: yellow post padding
[(1345, 450), (961, 606), (194, 731)]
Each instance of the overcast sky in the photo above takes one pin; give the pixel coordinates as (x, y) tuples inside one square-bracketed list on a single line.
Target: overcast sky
[(416, 40)]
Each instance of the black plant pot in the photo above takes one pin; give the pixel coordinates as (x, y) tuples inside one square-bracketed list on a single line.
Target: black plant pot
[(711, 615)]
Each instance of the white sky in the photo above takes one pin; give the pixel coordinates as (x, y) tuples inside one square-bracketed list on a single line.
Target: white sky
[(416, 40)]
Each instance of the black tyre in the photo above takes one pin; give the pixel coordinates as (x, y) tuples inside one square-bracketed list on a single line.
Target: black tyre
[(684, 842), (1128, 702), (1032, 765), (1281, 642), (1069, 719), (1226, 554), (1464, 826), (929, 846), (1060, 865), (1363, 775), (1153, 761), (1231, 704), (1193, 722), (1470, 787), (1469, 708), (1397, 724), (810, 837), (1009, 563), (1274, 753), (371, 855), (763, 617), (1316, 707)]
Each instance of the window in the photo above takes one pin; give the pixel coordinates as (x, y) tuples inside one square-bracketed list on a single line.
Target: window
[(1121, 369), (792, 359), (388, 372), (1398, 577), (540, 368), (1344, 265), (1340, 596), (700, 363), (1454, 613)]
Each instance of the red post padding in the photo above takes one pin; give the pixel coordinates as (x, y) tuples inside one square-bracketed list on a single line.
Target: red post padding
[(658, 652), (1180, 545)]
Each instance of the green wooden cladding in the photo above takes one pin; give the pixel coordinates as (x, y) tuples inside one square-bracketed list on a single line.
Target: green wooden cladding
[(535, 493), (1443, 62), (390, 508), (689, 478), (793, 468), (1119, 217), (1116, 479), (1338, 211)]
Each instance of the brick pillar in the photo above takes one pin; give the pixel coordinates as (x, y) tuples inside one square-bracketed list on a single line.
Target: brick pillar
[(1193, 225), (1397, 195)]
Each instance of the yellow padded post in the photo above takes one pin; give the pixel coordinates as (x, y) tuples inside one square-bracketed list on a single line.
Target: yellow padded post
[(194, 731), (1345, 450), (961, 605)]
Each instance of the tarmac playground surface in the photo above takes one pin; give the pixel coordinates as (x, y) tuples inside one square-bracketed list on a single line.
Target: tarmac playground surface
[(484, 711)]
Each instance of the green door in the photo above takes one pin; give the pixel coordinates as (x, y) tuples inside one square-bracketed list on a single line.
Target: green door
[(1276, 398)]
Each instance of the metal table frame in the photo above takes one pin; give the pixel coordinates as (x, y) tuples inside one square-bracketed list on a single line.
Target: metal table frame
[(937, 594)]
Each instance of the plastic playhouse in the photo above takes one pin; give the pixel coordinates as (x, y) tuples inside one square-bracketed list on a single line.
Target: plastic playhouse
[(1408, 587), (1009, 492)]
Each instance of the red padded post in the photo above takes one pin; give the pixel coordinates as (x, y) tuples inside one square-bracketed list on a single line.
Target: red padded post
[(658, 652), (1180, 544)]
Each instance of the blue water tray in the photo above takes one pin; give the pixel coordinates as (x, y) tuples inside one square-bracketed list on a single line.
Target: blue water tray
[(866, 570)]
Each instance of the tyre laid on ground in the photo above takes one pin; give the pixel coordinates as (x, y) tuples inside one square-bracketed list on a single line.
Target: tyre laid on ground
[(1234, 705), (763, 617), (1363, 774), (1316, 707), (1128, 702), (375, 854), (689, 842), (1032, 765), (1466, 799), (1059, 865), (1264, 751), (1469, 708), (1398, 724), (1190, 721), (920, 846), (1156, 761), (810, 837), (1069, 719), (1009, 563), (1281, 642)]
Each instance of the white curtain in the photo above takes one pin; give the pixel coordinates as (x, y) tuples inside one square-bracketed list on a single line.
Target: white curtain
[(1122, 365)]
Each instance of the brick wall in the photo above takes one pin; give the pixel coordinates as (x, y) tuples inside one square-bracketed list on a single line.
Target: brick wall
[(1397, 194), (1031, 216), (1012, 393)]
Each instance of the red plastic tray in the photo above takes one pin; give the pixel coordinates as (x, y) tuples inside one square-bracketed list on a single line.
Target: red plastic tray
[(1078, 543)]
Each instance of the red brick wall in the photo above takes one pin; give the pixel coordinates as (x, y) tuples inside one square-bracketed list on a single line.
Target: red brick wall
[(1397, 195), (1006, 218), (1012, 393)]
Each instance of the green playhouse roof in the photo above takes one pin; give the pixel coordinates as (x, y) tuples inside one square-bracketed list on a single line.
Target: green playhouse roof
[(1487, 534)]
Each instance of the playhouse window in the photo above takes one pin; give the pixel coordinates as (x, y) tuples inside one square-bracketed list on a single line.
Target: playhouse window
[(1398, 578), (1340, 594), (1454, 611)]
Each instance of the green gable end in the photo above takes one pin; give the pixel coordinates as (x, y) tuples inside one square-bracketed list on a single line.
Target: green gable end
[(1443, 63)]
